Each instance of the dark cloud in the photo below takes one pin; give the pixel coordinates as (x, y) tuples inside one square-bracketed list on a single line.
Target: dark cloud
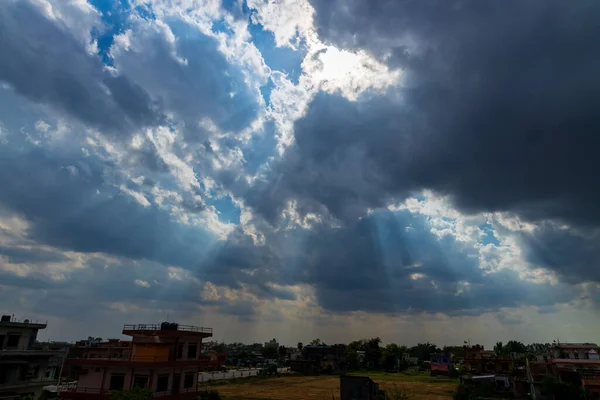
[(23, 255), (45, 63), (572, 254), (497, 108), (84, 212), (391, 262), (388, 262)]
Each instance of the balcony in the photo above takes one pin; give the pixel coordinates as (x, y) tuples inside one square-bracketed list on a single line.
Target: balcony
[(30, 353), (21, 384), (142, 361)]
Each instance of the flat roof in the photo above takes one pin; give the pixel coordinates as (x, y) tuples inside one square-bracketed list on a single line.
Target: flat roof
[(21, 324)]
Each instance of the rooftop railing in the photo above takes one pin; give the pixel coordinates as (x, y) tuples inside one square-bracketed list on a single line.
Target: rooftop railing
[(167, 327), (127, 357)]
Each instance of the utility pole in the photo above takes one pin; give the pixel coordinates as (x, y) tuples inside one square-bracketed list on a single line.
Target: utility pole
[(62, 365)]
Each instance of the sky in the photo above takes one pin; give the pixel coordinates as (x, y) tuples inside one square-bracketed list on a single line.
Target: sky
[(301, 169)]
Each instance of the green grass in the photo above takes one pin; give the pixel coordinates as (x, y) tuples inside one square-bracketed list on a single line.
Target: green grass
[(410, 375), (240, 398)]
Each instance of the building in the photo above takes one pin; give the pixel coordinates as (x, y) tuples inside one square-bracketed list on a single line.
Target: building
[(25, 367), (441, 364), (478, 361), (165, 358), (321, 359), (359, 388), (575, 364), (575, 351)]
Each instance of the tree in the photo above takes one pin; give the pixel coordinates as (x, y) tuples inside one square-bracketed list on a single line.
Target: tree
[(282, 351), (220, 348), (499, 349), (352, 359), (300, 346), (316, 342), (373, 352), (391, 354), (269, 351), (512, 346), (133, 394), (423, 351)]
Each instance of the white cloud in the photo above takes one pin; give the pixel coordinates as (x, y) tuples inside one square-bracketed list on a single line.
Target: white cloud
[(141, 283), (289, 20), (139, 197)]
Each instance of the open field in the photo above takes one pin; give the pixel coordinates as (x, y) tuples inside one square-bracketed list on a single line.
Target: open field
[(417, 386)]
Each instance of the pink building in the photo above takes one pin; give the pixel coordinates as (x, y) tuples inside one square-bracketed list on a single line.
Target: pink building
[(163, 357)]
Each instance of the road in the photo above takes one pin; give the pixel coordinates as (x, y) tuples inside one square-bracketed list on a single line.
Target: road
[(239, 373)]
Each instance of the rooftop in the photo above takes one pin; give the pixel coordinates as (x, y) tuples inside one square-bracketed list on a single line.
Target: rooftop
[(10, 322), (166, 328), (575, 345)]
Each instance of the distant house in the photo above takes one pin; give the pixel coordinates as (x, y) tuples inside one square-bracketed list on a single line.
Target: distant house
[(478, 361), (441, 364), (321, 359), (575, 351)]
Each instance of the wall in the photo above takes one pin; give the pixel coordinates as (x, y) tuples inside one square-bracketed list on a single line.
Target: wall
[(93, 379), (151, 352), (25, 332)]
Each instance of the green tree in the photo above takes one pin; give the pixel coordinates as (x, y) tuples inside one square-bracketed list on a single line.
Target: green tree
[(316, 342), (269, 351), (282, 351), (300, 346), (352, 359), (423, 351), (391, 355), (512, 346), (499, 349), (373, 352)]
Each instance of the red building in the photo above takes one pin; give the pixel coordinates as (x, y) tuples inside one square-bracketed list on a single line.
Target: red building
[(163, 357), (479, 361)]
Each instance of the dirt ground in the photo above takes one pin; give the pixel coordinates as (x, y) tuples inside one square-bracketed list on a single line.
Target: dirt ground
[(326, 388)]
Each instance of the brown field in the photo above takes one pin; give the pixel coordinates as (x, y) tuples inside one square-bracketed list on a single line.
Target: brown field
[(323, 387)]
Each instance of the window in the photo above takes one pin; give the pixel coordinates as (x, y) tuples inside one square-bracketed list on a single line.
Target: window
[(576, 355), (180, 351), (12, 340), (188, 380), (140, 381), (162, 383), (192, 350), (117, 382)]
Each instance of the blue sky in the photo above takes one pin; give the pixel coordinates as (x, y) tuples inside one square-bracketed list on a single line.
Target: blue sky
[(301, 169)]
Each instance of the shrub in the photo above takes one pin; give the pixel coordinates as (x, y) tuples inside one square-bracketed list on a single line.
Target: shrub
[(209, 395)]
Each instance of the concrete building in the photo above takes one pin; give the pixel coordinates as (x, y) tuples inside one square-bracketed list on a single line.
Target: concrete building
[(24, 367), (164, 357), (478, 361), (575, 351)]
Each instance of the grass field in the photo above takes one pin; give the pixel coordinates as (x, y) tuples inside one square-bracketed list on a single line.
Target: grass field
[(418, 386)]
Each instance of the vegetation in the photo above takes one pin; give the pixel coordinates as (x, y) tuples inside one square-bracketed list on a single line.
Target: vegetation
[(133, 394), (209, 395), (270, 351), (412, 384)]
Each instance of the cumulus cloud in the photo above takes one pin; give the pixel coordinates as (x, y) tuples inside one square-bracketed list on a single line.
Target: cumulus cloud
[(429, 158), (44, 61)]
